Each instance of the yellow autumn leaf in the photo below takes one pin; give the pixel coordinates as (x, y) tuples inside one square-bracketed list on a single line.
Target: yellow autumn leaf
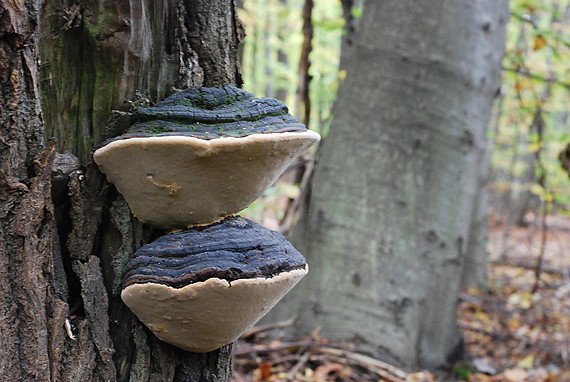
[(522, 300), (341, 75), (536, 189), (539, 42), (534, 147), (481, 316), (523, 84), (474, 291), (527, 362), (548, 197), (514, 324), (526, 301)]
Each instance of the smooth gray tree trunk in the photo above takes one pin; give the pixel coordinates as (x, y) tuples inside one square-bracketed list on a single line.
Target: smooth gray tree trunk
[(70, 71), (384, 231), (476, 206)]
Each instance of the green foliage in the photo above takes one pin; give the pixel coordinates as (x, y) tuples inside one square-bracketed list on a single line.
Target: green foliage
[(357, 11), (272, 50), (535, 88), (462, 371)]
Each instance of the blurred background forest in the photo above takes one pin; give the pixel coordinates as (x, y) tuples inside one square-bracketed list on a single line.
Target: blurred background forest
[(526, 137), (518, 328)]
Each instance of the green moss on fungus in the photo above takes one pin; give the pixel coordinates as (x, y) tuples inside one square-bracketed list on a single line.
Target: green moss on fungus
[(209, 113)]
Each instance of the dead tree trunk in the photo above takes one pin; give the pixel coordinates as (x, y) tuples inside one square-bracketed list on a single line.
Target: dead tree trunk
[(65, 233)]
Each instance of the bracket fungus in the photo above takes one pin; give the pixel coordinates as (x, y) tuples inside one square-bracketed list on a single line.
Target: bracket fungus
[(191, 162), (201, 288), (201, 155)]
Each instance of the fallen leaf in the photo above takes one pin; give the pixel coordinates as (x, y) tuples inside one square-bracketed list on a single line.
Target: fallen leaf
[(527, 362), (539, 42), (322, 373), (264, 370), (479, 377), (514, 375), (422, 376), (484, 365)]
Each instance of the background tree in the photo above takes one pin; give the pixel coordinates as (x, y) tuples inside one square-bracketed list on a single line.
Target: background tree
[(386, 230), (72, 74)]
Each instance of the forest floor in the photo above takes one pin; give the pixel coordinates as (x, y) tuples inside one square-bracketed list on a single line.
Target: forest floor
[(512, 334)]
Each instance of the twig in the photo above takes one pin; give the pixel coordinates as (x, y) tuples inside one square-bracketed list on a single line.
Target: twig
[(564, 345), (272, 347), (238, 377), (383, 369), (502, 335), (397, 375), (524, 18), (298, 366), (528, 74), (527, 266), (467, 326), (292, 211), (538, 126), (543, 238), (263, 328), (386, 376)]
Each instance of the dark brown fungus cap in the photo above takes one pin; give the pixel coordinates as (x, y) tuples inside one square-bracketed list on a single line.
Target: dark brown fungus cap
[(210, 113), (201, 155), (201, 288), (233, 249)]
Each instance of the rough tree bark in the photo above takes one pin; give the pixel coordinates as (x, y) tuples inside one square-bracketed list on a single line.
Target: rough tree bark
[(383, 232), (64, 244)]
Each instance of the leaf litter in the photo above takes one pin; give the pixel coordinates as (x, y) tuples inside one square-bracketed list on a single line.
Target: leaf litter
[(511, 333)]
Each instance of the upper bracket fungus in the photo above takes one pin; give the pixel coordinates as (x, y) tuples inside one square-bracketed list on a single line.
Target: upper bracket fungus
[(201, 155), (201, 288)]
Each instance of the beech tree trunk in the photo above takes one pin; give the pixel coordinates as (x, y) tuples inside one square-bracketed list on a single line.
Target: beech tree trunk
[(71, 70), (384, 231)]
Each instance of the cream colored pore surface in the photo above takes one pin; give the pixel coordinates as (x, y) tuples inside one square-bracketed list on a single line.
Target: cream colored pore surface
[(176, 181), (204, 316)]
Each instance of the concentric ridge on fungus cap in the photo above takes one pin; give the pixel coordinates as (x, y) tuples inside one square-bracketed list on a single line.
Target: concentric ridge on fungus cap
[(212, 113), (235, 248)]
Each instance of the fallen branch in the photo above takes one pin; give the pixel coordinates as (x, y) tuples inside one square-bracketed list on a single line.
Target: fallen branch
[(298, 366), (531, 267), (265, 328), (385, 370), (468, 326)]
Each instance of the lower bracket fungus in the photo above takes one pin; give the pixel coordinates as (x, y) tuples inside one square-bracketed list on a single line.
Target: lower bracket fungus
[(201, 288), (201, 155)]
